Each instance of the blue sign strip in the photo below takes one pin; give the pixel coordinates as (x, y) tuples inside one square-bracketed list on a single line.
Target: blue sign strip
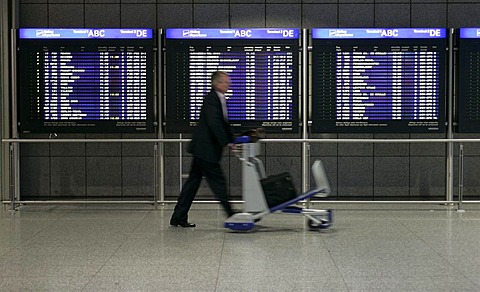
[(378, 33), (232, 33), (470, 33), (86, 33)]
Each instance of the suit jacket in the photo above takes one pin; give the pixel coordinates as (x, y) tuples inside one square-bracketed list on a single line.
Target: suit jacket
[(212, 133)]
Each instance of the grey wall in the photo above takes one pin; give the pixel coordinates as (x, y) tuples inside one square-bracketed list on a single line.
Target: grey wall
[(361, 171)]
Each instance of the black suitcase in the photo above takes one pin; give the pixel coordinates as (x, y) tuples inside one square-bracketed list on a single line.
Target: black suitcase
[(278, 189)]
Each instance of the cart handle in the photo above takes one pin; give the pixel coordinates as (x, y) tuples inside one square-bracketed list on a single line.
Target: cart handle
[(242, 139)]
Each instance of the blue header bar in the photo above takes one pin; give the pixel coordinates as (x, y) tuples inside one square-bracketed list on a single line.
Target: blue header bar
[(86, 33), (470, 33), (379, 33), (232, 33)]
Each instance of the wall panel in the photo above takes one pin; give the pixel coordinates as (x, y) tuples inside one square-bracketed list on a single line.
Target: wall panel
[(355, 170)]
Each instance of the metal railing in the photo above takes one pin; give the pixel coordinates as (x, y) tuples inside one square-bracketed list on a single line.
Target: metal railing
[(159, 195)]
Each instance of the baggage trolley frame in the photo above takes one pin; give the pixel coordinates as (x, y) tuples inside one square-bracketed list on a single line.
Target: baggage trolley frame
[(255, 204)]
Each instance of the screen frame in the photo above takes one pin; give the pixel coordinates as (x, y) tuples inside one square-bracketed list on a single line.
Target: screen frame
[(31, 39), (465, 38), (384, 36), (241, 36)]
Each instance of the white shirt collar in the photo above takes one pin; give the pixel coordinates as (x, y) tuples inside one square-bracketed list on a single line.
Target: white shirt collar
[(220, 94)]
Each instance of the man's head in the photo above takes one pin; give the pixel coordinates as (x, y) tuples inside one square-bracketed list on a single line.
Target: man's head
[(220, 81)]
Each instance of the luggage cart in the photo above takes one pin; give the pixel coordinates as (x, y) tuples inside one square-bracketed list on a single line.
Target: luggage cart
[(255, 204)]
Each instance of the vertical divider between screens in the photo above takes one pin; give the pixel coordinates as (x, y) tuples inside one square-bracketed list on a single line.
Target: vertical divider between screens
[(15, 147), (14, 115), (449, 118), (304, 102), (159, 180), (455, 76)]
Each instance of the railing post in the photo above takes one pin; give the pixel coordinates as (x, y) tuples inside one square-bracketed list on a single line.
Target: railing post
[(460, 180), (155, 175), (12, 178)]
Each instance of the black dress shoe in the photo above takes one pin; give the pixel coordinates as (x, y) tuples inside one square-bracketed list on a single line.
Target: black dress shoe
[(182, 223)]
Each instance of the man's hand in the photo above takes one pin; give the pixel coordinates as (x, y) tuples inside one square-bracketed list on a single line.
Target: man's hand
[(233, 147)]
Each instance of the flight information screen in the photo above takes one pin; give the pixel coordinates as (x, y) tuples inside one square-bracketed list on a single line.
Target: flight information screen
[(85, 80), (468, 80), (378, 80), (263, 68)]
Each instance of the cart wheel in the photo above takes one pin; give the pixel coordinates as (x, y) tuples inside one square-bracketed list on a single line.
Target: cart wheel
[(315, 226), (238, 226)]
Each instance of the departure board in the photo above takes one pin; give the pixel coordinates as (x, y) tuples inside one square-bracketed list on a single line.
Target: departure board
[(263, 68), (85, 80), (379, 80), (468, 101)]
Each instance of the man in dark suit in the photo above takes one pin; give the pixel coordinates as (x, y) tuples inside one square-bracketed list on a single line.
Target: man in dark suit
[(210, 136)]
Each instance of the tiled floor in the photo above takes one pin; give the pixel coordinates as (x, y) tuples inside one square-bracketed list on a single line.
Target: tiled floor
[(132, 248)]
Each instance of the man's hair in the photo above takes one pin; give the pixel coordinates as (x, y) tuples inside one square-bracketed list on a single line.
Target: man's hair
[(216, 76)]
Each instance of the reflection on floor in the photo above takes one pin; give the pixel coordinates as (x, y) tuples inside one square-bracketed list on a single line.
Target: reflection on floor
[(132, 248)]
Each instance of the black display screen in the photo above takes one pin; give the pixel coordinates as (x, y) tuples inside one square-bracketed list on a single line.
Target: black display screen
[(85, 80), (263, 68), (378, 80), (468, 115)]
